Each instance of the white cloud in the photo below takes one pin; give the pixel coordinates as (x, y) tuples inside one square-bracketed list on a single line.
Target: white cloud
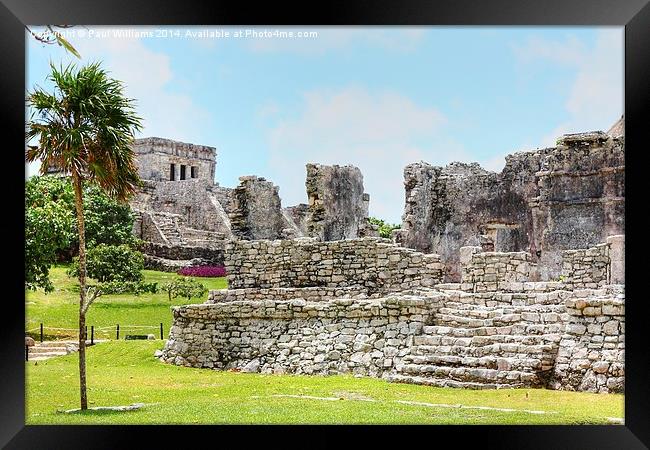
[(595, 100), (379, 132), (147, 76)]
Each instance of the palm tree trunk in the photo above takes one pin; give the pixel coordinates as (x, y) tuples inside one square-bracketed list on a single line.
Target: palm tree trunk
[(78, 193)]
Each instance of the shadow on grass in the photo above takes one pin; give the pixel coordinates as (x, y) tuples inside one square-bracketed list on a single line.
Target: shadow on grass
[(104, 410)]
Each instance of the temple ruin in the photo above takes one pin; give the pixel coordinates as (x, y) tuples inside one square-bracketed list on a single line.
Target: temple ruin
[(543, 202), (186, 218), (509, 279)]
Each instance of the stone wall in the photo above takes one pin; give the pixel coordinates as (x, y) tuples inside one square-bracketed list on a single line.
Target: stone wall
[(616, 259), (581, 197), (374, 263), (365, 337), (310, 294), (543, 202), (338, 207), (209, 256), (486, 271), (587, 267), (309, 307), (591, 356)]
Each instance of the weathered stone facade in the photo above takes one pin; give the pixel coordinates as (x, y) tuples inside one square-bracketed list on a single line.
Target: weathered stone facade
[(167, 160), (257, 211), (160, 159), (543, 202), (481, 333), (377, 264), (338, 207)]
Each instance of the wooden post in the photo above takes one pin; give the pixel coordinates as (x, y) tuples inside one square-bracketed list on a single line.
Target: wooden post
[(41, 332), (161, 331), (92, 335), (118, 332)]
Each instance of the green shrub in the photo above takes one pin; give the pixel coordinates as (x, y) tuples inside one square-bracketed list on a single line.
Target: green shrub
[(385, 229), (112, 263), (184, 287), (128, 287)]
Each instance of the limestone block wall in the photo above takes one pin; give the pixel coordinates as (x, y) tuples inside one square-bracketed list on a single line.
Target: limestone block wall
[(374, 263), (591, 356), (310, 294), (586, 268), (367, 337), (485, 271), (616, 259), (213, 256)]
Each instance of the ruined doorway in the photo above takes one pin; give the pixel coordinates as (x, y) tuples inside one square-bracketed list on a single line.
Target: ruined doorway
[(505, 236)]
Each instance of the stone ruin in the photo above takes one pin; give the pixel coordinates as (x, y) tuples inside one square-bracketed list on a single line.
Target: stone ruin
[(510, 279), (369, 307), (185, 218), (543, 202)]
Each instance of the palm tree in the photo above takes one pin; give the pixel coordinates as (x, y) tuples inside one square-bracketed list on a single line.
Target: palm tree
[(85, 129)]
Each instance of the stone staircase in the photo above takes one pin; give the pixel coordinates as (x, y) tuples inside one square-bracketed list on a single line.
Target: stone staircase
[(50, 349), (168, 226), (471, 345)]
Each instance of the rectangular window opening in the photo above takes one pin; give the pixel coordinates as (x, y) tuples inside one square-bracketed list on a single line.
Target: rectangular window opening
[(195, 172), (182, 171), (172, 172)]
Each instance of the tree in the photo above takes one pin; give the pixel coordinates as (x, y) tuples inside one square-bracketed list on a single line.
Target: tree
[(51, 230), (185, 287), (48, 227), (85, 128), (112, 263)]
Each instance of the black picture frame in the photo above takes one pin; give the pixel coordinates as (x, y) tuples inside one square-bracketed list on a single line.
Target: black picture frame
[(634, 15)]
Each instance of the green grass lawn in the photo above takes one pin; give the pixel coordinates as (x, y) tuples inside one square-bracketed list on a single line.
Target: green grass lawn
[(60, 309), (125, 372)]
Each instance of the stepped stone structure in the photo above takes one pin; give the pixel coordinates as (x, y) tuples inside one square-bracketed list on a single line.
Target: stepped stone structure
[(308, 307), (495, 280), (543, 202), (185, 218)]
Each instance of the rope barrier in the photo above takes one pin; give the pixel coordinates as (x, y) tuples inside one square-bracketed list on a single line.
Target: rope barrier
[(65, 329), (96, 328)]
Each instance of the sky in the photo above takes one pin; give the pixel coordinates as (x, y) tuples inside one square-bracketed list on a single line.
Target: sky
[(271, 99)]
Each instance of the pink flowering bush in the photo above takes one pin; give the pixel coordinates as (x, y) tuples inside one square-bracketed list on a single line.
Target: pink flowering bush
[(203, 271)]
